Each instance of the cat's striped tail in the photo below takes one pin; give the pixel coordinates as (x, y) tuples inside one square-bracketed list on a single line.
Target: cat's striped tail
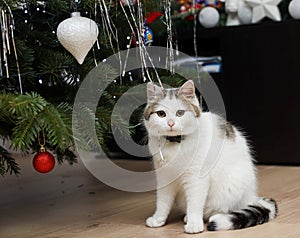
[(262, 211)]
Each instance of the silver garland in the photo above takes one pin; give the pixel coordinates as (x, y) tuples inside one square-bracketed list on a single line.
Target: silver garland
[(7, 33)]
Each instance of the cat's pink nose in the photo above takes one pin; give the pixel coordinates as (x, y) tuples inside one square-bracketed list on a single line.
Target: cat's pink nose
[(171, 123)]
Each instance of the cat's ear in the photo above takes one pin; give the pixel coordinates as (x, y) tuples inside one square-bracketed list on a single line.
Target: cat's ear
[(187, 90), (154, 92)]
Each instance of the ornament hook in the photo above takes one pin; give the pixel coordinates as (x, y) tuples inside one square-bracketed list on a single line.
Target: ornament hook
[(42, 145), (74, 4)]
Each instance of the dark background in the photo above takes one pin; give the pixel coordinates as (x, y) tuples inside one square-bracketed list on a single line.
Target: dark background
[(260, 82)]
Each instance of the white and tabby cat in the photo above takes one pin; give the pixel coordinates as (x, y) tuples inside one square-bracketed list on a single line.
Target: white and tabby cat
[(226, 197)]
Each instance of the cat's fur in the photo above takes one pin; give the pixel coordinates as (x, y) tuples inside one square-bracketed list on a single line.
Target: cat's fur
[(225, 193)]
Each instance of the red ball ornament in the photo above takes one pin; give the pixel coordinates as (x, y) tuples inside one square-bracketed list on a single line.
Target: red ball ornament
[(43, 162)]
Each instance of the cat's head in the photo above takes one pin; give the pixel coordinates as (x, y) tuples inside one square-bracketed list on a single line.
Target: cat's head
[(171, 112)]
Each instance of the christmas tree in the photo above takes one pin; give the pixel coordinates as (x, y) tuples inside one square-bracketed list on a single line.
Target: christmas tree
[(39, 78), (39, 82)]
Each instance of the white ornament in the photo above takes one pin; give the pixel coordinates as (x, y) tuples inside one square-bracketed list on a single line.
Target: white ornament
[(209, 17), (238, 12), (244, 13), (232, 20), (231, 6), (294, 9), (264, 8), (77, 34)]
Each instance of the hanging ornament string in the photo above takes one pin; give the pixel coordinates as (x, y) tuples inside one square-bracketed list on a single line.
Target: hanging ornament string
[(195, 29), (141, 46), (43, 143), (130, 41), (105, 27), (111, 31), (144, 50), (126, 16), (74, 5), (127, 55), (170, 55), (7, 29), (141, 42), (97, 41), (138, 28), (15, 51), (109, 25), (103, 23), (195, 45), (4, 42)]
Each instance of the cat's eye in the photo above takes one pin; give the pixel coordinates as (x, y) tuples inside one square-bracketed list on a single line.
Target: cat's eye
[(180, 113), (161, 113)]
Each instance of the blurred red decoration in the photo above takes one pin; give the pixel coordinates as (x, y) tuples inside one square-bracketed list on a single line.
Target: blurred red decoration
[(188, 8), (152, 16)]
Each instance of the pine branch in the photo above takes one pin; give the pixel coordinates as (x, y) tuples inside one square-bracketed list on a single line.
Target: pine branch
[(29, 116), (52, 65), (26, 109), (7, 163), (87, 137), (65, 155), (24, 106), (7, 119), (25, 134), (56, 130), (34, 115), (5, 113)]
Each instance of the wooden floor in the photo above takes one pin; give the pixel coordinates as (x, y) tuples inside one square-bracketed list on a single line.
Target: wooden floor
[(71, 203)]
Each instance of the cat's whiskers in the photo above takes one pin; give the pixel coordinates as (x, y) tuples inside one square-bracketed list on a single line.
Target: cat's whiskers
[(134, 126)]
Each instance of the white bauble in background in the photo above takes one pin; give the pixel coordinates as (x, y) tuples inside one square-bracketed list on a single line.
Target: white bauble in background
[(77, 34), (231, 6), (209, 17), (232, 20), (244, 13), (294, 9)]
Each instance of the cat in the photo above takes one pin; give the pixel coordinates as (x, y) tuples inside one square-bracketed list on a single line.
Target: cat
[(180, 135)]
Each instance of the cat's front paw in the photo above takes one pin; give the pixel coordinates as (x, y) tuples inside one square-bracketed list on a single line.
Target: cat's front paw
[(194, 227), (185, 219), (155, 222)]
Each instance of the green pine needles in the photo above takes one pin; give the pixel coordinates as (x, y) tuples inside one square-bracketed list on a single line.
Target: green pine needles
[(51, 77), (7, 163), (24, 117)]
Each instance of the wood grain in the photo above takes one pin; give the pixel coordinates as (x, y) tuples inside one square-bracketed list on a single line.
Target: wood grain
[(71, 203)]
